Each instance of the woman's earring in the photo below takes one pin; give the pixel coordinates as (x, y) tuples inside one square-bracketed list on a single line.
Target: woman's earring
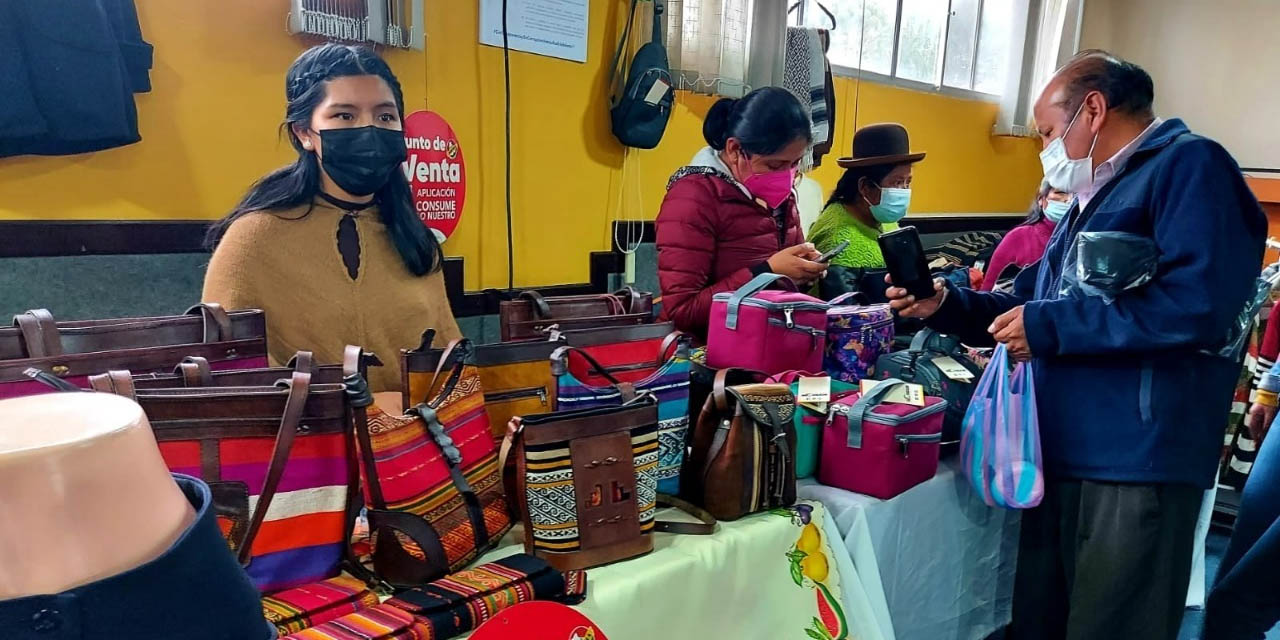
[(306, 145)]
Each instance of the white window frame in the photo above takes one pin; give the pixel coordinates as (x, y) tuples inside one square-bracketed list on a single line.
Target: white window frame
[(892, 79)]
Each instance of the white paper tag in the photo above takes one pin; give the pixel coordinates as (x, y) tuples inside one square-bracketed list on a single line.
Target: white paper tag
[(657, 92), (814, 391), (952, 369), (905, 394)]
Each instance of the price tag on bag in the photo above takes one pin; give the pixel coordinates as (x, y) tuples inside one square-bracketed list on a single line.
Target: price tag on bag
[(908, 393), (952, 369), (814, 393), (657, 92)]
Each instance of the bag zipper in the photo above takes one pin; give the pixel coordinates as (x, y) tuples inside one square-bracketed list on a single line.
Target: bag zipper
[(891, 421), (908, 439), (518, 394)]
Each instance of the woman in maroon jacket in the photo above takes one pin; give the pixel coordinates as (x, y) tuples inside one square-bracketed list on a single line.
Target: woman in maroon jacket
[(731, 214)]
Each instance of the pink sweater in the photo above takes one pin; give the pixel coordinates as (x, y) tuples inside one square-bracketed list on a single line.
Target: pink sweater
[(1023, 246)]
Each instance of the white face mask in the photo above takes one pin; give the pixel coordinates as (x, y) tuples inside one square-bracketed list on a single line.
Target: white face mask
[(1062, 172)]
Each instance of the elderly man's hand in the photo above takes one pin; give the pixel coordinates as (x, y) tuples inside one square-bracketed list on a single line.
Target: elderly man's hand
[(1008, 330)]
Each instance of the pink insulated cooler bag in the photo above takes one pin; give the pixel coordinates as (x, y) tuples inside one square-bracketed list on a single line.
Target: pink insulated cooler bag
[(880, 448), (767, 331)]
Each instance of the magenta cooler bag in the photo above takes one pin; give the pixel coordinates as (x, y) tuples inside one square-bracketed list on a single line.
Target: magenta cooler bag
[(767, 331), (856, 336), (877, 448), (37, 345), (1000, 437)]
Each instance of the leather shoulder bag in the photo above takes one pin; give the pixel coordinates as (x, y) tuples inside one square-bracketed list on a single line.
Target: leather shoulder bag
[(531, 316)]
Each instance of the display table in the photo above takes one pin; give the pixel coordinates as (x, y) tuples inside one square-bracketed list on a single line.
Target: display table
[(754, 578), (944, 559)]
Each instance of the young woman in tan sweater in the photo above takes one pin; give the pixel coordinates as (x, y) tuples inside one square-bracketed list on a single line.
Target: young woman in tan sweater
[(330, 246)]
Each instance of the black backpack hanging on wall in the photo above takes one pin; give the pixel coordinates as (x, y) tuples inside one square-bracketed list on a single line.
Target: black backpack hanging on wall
[(639, 113)]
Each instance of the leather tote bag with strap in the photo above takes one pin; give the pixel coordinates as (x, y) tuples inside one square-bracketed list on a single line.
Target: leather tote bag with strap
[(532, 316), (431, 477), (75, 350), (278, 459)]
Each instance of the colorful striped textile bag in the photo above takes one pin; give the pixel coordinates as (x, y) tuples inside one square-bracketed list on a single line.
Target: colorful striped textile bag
[(431, 478), (382, 622), (299, 608), (1000, 436), (609, 375), (278, 459)]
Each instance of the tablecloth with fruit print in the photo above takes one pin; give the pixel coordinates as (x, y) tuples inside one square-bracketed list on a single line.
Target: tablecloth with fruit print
[(769, 576)]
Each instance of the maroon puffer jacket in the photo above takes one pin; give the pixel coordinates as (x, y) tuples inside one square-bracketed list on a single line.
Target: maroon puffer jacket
[(710, 236)]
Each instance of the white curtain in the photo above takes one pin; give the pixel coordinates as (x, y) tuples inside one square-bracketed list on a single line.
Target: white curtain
[(1051, 38), (725, 47)]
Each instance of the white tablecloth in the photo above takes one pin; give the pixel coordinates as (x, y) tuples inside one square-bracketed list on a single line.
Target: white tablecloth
[(945, 560)]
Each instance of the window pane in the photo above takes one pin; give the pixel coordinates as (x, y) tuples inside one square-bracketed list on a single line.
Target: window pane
[(920, 40), (960, 33), (993, 46), (846, 40), (881, 15)]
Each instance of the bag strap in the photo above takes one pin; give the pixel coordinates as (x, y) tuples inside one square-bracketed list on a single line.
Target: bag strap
[(49, 380), (541, 308), (675, 338), (453, 457), (615, 69), (354, 366), (657, 22), (195, 372), (630, 298), (857, 296), (39, 333), (461, 347), (116, 381), (751, 288), (864, 404), (921, 339), (217, 324), (305, 361), (299, 386), (561, 356), (705, 526), (790, 377)]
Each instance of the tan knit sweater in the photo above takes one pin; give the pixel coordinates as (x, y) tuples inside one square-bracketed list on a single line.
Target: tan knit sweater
[(287, 263)]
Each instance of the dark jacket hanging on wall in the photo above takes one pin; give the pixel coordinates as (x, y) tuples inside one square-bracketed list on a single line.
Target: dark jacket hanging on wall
[(68, 72)]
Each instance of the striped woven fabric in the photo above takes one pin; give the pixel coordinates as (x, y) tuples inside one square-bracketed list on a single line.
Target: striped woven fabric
[(461, 602), (552, 501), (382, 622), (301, 540), (295, 609), (414, 474), (578, 388)]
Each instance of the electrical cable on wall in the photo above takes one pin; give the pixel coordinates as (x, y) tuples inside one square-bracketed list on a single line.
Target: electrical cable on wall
[(506, 79)]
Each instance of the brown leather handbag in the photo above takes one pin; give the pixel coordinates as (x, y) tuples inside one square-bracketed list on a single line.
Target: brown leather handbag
[(585, 484), (743, 455), (532, 316), (279, 459), (74, 350)]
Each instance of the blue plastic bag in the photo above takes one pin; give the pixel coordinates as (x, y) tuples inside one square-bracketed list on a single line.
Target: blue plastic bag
[(1000, 436)]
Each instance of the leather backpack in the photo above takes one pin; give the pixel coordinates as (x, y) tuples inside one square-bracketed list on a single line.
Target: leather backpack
[(743, 455)]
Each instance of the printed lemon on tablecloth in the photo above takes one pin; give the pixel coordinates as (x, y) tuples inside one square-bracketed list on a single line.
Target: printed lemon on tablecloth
[(810, 560)]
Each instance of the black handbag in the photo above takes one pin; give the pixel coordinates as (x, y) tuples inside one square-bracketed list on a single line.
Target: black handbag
[(639, 114)]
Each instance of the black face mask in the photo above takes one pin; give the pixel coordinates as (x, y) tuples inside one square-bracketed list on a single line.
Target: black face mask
[(361, 160)]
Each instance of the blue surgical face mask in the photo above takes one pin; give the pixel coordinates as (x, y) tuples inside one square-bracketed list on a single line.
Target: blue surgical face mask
[(1055, 210), (893, 205)]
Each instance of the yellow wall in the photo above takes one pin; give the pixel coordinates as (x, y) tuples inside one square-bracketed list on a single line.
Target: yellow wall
[(209, 129)]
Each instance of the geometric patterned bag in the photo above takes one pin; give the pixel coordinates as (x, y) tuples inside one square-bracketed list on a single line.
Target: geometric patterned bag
[(432, 481), (299, 608), (585, 483)]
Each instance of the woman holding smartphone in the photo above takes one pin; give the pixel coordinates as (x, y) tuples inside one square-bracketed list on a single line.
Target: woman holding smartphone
[(731, 214)]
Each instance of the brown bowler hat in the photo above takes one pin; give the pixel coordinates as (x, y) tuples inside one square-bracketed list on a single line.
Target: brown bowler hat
[(884, 143)]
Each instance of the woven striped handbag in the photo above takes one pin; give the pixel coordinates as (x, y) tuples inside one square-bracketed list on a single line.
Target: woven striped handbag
[(609, 375), (431, 478)]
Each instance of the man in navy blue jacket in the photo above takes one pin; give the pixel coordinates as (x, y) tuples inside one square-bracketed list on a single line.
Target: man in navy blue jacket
[(1131, 392)]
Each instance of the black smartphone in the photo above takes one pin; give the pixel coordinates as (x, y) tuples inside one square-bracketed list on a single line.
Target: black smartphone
[(826, 257), (904, 257)]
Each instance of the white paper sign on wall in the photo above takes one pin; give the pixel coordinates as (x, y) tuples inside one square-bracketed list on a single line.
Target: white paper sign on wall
[(556, 28)]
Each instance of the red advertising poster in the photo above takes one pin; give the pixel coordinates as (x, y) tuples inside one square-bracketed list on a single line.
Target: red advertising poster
[(539, 620), (435, 170)]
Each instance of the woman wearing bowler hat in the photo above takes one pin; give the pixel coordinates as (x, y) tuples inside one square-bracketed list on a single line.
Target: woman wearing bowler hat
[(871, 197)]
